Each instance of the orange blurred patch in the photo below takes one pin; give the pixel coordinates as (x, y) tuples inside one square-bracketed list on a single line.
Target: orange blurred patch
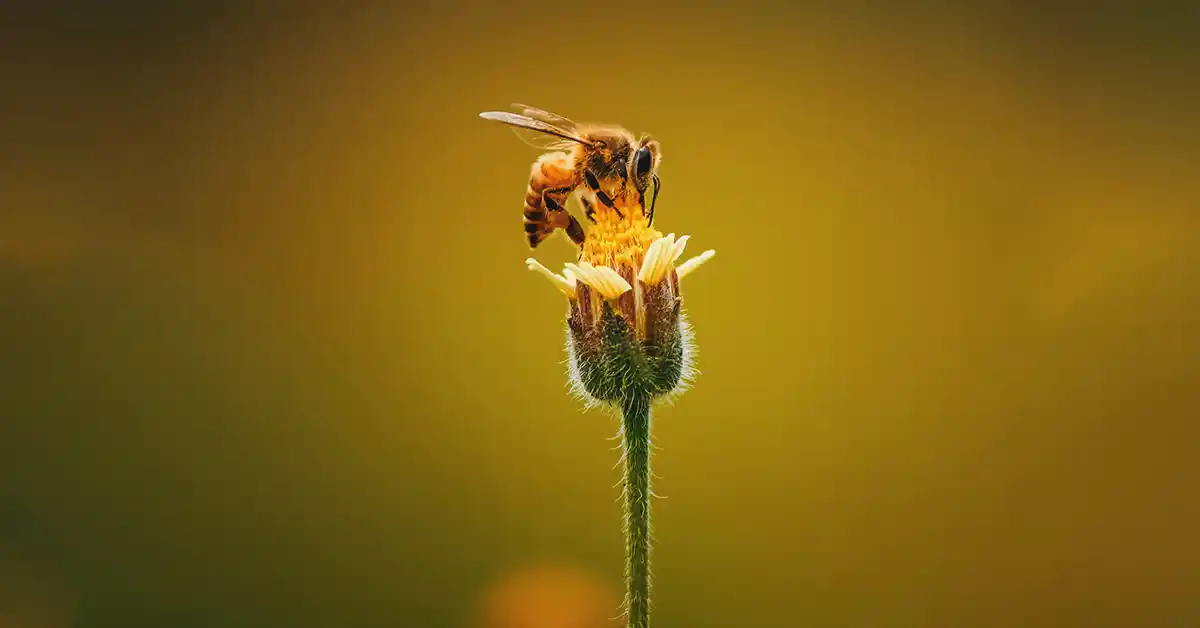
[(549, 596)]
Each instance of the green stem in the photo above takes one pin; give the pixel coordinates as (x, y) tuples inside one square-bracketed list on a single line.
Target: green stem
[(635, 414)]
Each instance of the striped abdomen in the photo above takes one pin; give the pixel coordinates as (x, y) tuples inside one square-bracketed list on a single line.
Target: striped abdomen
[(550, 183)]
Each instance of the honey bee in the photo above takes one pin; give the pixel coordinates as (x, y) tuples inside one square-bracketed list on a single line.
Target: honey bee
[(600, 162)]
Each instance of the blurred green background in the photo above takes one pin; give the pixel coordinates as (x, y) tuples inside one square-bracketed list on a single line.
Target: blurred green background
[(271, 356)]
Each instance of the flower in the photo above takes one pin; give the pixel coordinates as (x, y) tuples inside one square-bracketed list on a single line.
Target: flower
[(628, 344), (626, 331)]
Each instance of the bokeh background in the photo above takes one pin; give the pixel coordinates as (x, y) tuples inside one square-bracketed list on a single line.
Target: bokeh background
[(271, 356)]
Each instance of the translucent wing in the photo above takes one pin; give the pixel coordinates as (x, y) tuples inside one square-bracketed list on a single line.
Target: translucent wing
[(541, 140), (542, 130), (547, 117)]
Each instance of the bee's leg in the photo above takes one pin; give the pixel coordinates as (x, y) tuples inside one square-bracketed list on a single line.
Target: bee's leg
[(575, 231), (594, 184), (608, 202), (534, 236), (554, 198), (588, 211), (560, 217)]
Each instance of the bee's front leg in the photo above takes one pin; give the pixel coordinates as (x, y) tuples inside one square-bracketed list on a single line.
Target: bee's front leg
[(594, 185)]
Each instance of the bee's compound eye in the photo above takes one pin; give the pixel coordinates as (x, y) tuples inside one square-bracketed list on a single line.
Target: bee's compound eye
[(641, 162)]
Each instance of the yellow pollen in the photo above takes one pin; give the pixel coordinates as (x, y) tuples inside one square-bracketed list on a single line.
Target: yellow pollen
[(617, 240)]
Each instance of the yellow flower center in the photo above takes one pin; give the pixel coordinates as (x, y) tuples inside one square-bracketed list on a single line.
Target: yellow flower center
[(620, 236)]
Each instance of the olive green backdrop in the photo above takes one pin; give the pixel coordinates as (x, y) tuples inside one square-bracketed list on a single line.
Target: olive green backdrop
[(271, 356)]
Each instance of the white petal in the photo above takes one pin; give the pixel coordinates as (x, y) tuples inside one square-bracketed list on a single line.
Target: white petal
[(616, 281), (589, 274), (690, 265), (608, 282), (664, 258), (579, 273), (649, 260), (677, 250), (565, 284), (657, 260)]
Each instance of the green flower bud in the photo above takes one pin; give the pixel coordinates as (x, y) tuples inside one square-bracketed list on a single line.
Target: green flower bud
[(626, 331)]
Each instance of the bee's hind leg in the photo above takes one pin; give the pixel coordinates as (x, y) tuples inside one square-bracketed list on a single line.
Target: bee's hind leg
[(575, 231), (553, 199), (553, 203)]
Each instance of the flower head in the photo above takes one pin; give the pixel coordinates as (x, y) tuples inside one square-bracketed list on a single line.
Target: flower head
[(626, 329)]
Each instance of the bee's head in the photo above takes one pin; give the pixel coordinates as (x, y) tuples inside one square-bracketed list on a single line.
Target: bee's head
[(644, 163), (609, 154)]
